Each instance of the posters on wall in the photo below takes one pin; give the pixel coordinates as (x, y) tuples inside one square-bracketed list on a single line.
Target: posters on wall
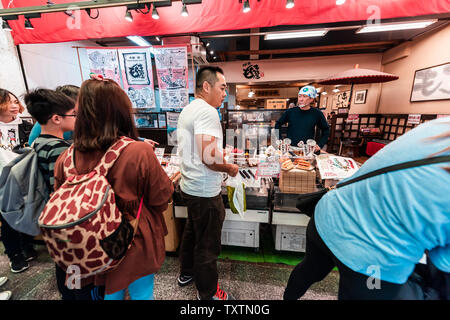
[(136, 67), (341, 100), (104, 62), (172, 71), (172, 121)]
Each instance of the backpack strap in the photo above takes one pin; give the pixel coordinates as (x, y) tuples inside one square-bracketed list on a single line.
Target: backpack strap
[(112, 154), (106, 162), (395, 167), (69, 164)]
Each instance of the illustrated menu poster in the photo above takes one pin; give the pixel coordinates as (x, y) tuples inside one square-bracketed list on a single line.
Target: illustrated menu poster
[(172, 70), (104, 62), (338, 168), (137, 75), (172, 121)]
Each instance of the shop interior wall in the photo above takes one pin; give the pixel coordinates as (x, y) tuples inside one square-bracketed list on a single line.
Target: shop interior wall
[(310, 69), (55, 64), (426, 51)]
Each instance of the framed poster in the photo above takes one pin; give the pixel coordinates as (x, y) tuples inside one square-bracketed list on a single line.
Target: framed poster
[(360, 96), (341, 100), (431, 83)]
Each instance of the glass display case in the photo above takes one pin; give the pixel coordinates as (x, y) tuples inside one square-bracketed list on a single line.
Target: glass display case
[(252, 128)]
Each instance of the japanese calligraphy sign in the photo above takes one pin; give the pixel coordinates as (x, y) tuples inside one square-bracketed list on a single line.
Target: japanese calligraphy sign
[(431, 83), (252, 71)]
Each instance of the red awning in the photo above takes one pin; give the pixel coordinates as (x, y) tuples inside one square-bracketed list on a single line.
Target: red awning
[(211, 15)]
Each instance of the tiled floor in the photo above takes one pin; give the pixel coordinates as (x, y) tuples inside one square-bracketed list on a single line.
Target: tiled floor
[(245, 280)]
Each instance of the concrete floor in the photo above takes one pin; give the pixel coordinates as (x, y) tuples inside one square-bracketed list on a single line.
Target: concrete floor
[(245, 280)]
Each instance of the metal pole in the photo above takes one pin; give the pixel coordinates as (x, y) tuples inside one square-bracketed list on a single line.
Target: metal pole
[(98, 4)]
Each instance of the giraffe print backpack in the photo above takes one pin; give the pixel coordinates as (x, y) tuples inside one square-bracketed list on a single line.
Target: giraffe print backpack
[(81, 224)]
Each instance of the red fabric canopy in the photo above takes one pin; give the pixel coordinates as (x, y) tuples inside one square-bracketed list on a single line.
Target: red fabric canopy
[(211, 15)]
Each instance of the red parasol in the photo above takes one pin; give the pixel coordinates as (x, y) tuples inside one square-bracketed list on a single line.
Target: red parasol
[(357, 75)]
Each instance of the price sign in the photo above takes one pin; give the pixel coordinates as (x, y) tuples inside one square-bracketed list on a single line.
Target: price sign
[(268, 169)]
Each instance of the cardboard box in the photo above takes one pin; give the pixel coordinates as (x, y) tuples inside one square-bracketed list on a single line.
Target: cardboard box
[(297, 181), (173, 237)]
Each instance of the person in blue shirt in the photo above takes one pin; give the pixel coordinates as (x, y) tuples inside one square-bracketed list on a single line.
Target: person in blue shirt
[(303, 120), (376, 230), (72, 92)]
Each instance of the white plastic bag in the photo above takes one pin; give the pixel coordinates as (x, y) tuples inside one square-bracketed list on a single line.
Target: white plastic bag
[(236, 195)]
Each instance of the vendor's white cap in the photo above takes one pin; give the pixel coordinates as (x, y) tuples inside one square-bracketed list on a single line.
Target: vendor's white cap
[(309, 91)]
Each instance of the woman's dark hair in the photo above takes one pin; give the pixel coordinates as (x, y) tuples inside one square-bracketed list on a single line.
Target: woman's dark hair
[(5, 98), (42, 104), (69, 90), (104, 114)]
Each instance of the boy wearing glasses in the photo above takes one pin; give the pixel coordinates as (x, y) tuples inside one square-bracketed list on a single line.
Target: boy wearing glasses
[(56, 113)]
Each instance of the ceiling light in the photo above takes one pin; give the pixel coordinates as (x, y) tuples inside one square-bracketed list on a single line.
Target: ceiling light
[(28, 24), (324, 92), (5, 26), (211, 52), (336, 90), (128, 16), (157, 38), (208, 44), (290, 4), (155, 14), (246, 7), (396, 26), (296, 34), (184, 11), (340, 2), (139, 41)]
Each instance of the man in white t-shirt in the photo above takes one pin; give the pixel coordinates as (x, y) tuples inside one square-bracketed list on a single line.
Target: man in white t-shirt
[(200, 147)]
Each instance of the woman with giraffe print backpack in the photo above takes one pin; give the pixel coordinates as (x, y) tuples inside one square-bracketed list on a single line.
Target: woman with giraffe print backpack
[(104, 115)]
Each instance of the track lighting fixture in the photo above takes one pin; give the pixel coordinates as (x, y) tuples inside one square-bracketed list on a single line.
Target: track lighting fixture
[(5, 26), (290, 4), (246, 8), (28, 24), (184, 11), (155, 14), (129, 16)]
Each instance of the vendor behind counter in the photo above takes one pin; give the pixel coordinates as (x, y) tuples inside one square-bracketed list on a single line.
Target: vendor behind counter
[(303, 119)]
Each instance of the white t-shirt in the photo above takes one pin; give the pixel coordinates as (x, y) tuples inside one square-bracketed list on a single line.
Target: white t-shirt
[(197, 179), (9, 134)]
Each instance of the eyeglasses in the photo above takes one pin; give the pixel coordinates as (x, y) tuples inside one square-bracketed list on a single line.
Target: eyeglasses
[(68, 115)]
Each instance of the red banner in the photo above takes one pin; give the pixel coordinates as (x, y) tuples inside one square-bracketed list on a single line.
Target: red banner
[(211, 15)]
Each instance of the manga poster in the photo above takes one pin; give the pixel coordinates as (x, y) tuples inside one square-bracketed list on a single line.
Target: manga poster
[(137, 75), (172, 122), (172, 70), (104, 62)]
